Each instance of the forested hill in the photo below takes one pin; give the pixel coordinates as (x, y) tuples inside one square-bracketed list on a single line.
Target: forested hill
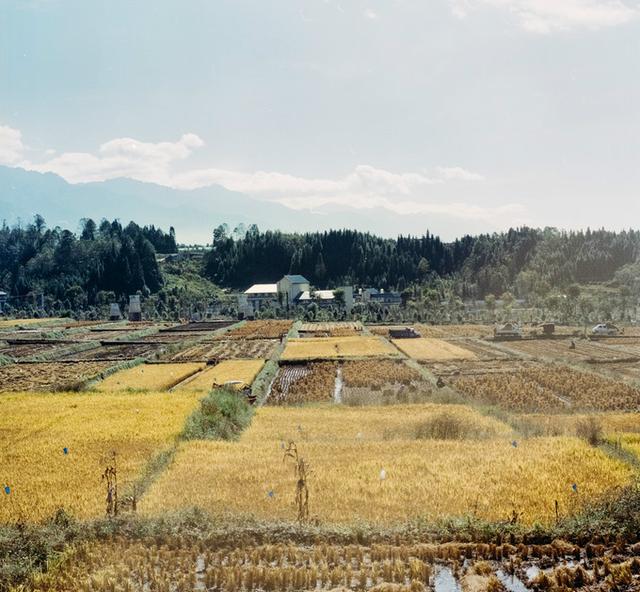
[(531, 259), (106, 259)]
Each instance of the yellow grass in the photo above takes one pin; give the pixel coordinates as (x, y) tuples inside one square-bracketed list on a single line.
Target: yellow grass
[(348, 448), (153, 377), (331, 348), (426, 348), (226, 371), (34, 429)]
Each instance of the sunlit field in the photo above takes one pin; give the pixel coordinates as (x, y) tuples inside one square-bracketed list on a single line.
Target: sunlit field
[(387, 465), (331, 348), (54, 448), (156, 377), (239, 372)]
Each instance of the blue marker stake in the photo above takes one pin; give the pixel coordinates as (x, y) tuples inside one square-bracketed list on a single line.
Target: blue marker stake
[(7, 489), (270, 494), (575, 487), (65, 450)]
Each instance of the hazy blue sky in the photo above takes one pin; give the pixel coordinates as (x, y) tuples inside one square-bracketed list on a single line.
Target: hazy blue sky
[(484, 113)]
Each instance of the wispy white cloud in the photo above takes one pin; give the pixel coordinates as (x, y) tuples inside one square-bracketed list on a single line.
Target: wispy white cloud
[(365, 187), (549, 16), (122, 157), (458, 174), (11, 147), (371, 14)]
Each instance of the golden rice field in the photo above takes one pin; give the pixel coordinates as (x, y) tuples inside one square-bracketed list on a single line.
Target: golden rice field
[(543, 388), (348, 450), (152, 377), (35, 429), (243, 371), (426, 348), (334, 348), (612, 424)]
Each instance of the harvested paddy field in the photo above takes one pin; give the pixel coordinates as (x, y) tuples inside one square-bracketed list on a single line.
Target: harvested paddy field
[(426, 348), (379, 566), (54, 448), (260, 330), (230, 349), (49, 376), (437, 331), (353, 382), (561, 350), (125, 351), (476, 367), (333, 348), (304, 383), (341, 329), (549, 388), (384, 466), (240, 373), (152, 377)]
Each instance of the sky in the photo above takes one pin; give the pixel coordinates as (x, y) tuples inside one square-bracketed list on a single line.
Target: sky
[(485, 114)]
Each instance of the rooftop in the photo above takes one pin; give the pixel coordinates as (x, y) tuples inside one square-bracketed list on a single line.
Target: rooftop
[(262, 289), (297, 279)]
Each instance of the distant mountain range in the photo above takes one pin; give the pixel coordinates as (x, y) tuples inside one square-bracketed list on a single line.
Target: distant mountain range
[(194, 213)]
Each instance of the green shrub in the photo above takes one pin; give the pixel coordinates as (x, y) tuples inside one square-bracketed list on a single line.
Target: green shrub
[(223, 415)]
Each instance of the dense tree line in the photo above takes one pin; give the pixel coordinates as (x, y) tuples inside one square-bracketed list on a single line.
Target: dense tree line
[(532, 259), (104, 259), (331, 258)]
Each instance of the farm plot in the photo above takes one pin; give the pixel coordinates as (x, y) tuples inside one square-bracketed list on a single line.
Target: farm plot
[(550, 388), (384, 466), (584, 351), (260, 330), (23, 351), (10, 323), (340, 329), (150, 377), (49, 376), (144, 564), (451, 368), (333, 348), (438, 331), (240, 373), (426, 348), (304, 383), (613, 425), (122, 352), (35, 430), (482, 349), (382, 382), (257, 349)]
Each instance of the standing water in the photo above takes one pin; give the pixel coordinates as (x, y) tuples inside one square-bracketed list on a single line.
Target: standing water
[(445, 580), (337, 391)]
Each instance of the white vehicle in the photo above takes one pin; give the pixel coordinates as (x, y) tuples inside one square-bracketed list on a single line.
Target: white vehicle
[(605, 329)]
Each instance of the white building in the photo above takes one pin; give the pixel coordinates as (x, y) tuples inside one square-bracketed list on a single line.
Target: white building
[(257, 297), (290, 291), (290, 288)]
